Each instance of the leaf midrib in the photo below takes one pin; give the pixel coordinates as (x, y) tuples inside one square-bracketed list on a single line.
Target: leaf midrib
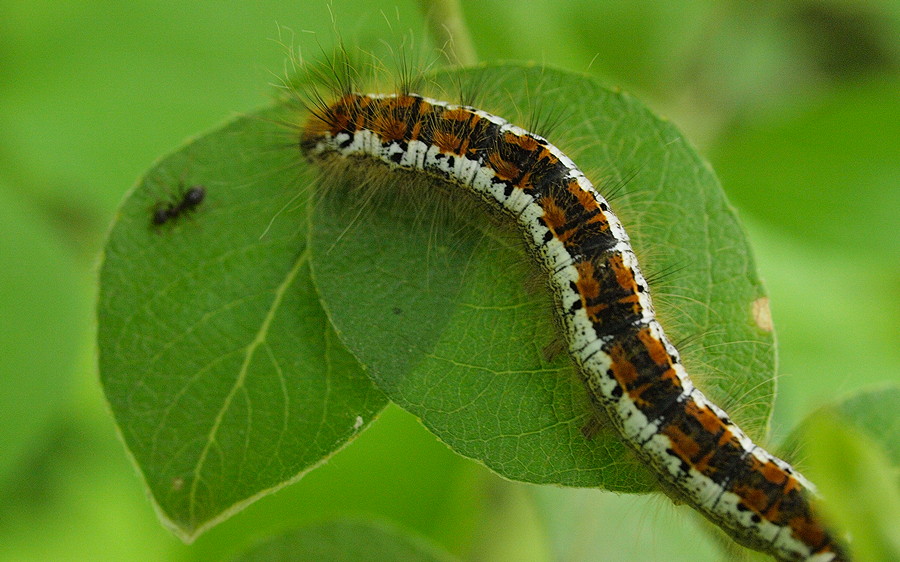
[(249, 353)]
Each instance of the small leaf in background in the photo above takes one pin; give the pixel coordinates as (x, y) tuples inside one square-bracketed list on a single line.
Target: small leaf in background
[(587, 525), (46, 308), (834, 152), (851, 450), (439, 310), (216, 358), (346, 541), (821, 191), (45, 326)]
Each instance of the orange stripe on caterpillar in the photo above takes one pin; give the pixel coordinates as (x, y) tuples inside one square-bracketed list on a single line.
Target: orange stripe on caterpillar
[(603, 302)]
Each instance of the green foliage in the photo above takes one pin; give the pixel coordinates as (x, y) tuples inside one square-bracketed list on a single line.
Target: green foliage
[(345, 541), (792, 102), (820, 184), (41, 288)]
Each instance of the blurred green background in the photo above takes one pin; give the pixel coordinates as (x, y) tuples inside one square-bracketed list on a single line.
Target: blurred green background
[(795, 103)]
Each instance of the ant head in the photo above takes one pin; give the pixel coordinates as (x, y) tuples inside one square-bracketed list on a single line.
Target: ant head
[(194, 196)]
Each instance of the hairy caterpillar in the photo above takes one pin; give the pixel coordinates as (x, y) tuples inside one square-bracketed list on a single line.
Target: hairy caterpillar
[(602, 299)]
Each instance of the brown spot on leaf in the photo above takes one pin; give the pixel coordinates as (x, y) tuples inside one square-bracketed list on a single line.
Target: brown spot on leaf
[(762, 315)]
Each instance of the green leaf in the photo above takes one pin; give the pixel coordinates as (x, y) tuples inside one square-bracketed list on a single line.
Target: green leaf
[(852, 451), (874, 413), (432, 298), (217, 360), (336, 541), (849, 154)]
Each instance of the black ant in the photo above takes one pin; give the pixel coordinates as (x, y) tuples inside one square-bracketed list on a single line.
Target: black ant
[(190, 200)]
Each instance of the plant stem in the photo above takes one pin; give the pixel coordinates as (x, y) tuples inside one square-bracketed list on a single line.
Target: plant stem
[(448, 27)]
